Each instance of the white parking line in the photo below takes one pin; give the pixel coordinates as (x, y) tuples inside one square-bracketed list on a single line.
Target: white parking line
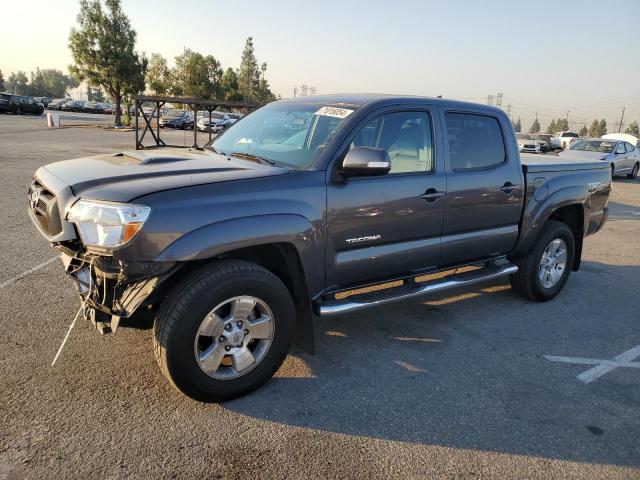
[(602, 367), (28, 272), (629, 211)]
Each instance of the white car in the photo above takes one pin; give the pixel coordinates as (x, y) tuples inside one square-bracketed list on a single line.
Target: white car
[(526, 144), (219, 121), (563, 140)]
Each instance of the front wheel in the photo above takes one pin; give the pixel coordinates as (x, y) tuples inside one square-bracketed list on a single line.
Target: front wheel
[(543, 272), (224, 331), (634, 172)]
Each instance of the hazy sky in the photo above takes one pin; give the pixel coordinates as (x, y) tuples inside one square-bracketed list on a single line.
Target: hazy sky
[(545, 56)]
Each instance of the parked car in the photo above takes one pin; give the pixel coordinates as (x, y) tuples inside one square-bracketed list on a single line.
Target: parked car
[(93, 107), (236, 245), (543, 140), (234, 117), (625, 137), (19, 104), (57, 103), (73, 106), (526, 144), (622, 157), (43, 100), (562, 140), (219, 121), (177, 119), (109, 108)]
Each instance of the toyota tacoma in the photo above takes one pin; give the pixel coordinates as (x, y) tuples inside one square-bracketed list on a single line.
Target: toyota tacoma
[(321, 205)]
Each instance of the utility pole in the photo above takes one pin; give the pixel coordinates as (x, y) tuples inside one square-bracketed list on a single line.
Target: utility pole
[(499, 100), (509, 111), (621, 119), (490, 99)]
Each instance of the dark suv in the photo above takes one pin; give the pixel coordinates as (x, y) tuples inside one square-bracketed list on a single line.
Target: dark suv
[(19, 104)]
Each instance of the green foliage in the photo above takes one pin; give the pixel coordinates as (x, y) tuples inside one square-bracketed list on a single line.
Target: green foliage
[(583, 131), (159, 79), (249, 74), (551, 129), (196, 75), (535, 126), (18, 83), (229, 85), (562, 125), (51, 83), (103, 49), (517, 126), (95, 94), (2, 87), (633, 129), (597, 128)]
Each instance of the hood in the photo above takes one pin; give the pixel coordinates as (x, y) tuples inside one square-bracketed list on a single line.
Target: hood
[(125, 176), (172, 119), (583, 155)]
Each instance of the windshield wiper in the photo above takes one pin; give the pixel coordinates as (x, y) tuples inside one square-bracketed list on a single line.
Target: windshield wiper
[(255, 158)]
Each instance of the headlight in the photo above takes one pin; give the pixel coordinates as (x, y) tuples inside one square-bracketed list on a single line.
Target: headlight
[(107, 225)]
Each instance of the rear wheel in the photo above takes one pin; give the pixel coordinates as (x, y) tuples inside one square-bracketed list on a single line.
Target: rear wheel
[(224, 331), (543, 272), (634, 172), (18, 111)]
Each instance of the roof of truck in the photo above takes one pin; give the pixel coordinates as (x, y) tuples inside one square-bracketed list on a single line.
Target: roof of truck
[(360, 99)]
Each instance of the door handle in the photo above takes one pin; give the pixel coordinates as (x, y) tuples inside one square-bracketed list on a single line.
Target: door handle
[(431, 195), (509, 188)]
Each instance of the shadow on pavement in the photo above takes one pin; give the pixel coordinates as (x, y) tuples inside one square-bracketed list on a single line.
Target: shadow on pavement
[(468, 372)]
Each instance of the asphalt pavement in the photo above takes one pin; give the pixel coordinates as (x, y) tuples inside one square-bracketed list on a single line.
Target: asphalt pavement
[(461, 386)]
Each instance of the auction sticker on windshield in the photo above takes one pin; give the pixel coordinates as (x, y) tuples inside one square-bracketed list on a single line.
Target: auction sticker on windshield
[(334, 112)]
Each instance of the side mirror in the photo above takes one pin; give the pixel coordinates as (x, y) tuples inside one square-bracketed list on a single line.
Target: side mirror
[(366, 161)]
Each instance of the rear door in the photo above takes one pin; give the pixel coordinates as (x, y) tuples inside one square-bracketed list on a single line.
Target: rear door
[(485, 190), (384, 226)]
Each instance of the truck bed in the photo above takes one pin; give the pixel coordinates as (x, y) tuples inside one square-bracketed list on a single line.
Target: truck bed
[(551, 163)]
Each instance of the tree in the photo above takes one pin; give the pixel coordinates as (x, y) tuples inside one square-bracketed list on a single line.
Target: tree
[(229, 85), (196, 76), (562, 125), (158, 75), (103, 49), (602, 127), (95, 94), (583, 131), (517, 126), (551, 129), (18, 83), (597, 129), (632, 128), (535, 126), (249, 74), (2, 87), (51, 83)]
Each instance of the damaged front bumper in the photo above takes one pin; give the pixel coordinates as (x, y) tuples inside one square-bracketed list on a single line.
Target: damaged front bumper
[(112, 289)]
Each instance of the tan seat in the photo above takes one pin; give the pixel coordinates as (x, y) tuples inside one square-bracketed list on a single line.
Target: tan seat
[(405, 155)]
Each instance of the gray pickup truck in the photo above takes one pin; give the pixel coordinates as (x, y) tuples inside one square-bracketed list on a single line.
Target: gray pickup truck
[(322, 205)]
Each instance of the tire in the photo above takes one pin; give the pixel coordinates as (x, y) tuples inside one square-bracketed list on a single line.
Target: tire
[(176, 331), (634, 172), (613, 171), (527, 281)]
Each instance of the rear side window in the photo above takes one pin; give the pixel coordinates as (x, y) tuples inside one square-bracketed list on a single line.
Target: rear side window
[(475, 141), (630, 147)]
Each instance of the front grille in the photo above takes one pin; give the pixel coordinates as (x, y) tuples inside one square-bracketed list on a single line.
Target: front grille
[(44, 206), (529, 146)]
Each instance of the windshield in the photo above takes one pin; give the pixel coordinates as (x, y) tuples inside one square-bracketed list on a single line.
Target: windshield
[(289, 134), (174, 113), (523, 136), (594, 146)]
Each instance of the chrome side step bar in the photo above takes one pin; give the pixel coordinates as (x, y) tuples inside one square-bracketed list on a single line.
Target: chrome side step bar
[(338, 307)]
